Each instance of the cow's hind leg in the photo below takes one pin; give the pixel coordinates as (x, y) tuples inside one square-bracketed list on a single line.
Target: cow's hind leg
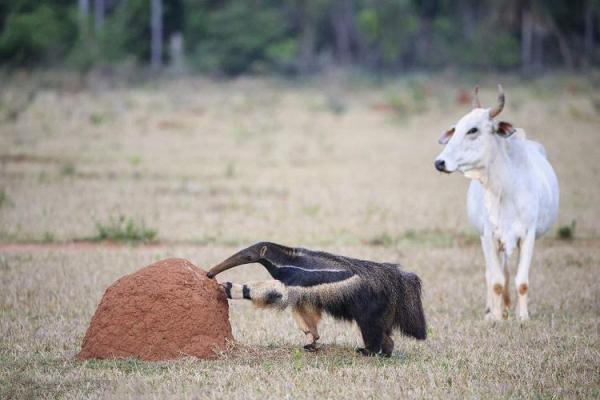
[(522, 278), (506, 292)]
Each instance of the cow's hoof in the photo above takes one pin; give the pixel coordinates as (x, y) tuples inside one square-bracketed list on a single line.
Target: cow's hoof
[(490, 317), (524, 318)]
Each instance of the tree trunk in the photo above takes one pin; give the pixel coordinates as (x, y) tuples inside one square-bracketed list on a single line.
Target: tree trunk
[(306, 22), (99, 8), (526, 40), (563, 46), (84, 10), (156, 29), (588, 36), (342, 27), (428, 11), (468, 18)]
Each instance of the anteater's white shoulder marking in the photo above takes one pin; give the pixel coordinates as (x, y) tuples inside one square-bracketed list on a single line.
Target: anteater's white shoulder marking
[(313, 269)]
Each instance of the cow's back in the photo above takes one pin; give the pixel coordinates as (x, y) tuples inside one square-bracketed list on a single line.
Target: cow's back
[(544, 180)]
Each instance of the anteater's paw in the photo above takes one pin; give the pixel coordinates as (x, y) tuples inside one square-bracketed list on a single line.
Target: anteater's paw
[(365, 352), (311, 347), (227, 288)]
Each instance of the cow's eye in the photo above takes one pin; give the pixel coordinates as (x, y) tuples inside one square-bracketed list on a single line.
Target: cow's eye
[(471, 131)]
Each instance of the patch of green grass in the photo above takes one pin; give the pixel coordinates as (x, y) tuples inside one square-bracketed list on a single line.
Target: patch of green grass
[(435, 238), (124, 229), (128, 366), (399, 104), (48, 237), (135, 159), (4, 265), (311, 210), (96, 118), (336, 105), (43, 177), (596, 104), (383, 239), (230, 170), (567, 232), (68, 169), (4, 199), (408, 101)]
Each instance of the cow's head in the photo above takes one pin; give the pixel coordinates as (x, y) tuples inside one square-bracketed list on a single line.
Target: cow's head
[(471, 142)]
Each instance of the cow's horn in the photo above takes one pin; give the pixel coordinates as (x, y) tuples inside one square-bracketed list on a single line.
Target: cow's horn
[(498, 109)]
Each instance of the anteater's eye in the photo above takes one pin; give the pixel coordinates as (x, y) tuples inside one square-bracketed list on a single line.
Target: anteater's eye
[(471, 131)]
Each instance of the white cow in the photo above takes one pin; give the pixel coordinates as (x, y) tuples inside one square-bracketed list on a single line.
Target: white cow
[(512, 199)]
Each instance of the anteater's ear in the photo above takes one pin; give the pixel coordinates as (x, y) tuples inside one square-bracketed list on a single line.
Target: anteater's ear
[(446, 136), (504, 129), (263, 251)]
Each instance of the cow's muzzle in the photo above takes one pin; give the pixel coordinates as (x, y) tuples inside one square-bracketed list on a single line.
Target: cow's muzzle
[(440, 165)]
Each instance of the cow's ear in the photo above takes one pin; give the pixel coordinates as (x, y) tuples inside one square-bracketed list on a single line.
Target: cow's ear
[(446, 136), (504, 129)]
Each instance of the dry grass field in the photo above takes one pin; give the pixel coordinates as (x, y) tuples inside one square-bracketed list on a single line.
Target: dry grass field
[(201, 168)]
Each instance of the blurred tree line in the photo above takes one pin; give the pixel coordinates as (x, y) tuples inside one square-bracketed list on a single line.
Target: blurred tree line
[(300, 36)]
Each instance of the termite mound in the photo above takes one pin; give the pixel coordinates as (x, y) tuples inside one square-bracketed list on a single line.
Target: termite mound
[(167, 310)]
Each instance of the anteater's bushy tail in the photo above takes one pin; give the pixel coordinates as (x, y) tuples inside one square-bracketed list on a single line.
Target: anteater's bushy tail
[(410, 317)]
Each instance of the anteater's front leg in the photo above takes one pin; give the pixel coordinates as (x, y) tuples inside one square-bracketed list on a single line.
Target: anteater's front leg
[(266, 294), (307, 317)]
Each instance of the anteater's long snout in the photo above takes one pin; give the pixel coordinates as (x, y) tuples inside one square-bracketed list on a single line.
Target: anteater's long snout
[(225, 265), (245, 256)]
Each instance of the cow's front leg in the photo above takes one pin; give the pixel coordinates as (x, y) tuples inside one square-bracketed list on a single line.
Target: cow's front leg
[(494, 277), (522, 279)]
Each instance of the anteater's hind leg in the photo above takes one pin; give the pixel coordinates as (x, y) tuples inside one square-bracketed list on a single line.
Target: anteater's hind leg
[(307, 318), (372, 334)]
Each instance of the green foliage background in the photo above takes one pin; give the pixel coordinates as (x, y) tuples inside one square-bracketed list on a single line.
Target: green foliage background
[(231, 37)]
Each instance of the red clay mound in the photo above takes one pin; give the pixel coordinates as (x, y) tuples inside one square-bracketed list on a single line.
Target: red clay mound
[(166, 310)]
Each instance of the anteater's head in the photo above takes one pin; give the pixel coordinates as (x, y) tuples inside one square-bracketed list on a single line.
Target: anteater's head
[(258, 253)]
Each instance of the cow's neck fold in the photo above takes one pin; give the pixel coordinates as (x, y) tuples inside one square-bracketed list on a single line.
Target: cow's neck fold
[(497, 180), (496, 176)]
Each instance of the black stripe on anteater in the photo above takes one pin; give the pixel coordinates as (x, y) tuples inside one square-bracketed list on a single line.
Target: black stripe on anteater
[(227, 286), (272, 297), (246, 292)]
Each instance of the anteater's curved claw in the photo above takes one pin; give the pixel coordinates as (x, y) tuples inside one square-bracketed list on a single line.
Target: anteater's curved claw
[(311, 347), (365, 352), (227, 288)]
